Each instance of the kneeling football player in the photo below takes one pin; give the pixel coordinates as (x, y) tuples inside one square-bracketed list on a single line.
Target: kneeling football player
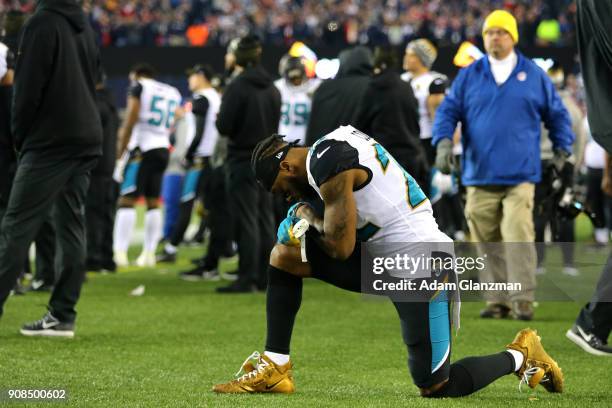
[(367, 198)]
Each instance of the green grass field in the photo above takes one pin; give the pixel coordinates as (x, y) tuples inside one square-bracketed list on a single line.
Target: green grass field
[(169, 346)]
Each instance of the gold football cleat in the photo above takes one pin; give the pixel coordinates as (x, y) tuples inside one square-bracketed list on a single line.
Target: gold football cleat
[(259, 374), (538, 367)]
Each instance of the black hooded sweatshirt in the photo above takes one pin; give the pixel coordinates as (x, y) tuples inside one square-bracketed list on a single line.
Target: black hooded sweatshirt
[(389, 112), (54, 99), (250, 111), (335, 102)]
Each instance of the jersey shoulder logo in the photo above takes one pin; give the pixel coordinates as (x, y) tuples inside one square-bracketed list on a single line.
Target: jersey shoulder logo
[(323, 152)]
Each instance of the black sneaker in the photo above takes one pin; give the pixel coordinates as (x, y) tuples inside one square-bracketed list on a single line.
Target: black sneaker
[(48, 326), (166, 257), (238, 287), (199, 274), (588, 341), (19, 289), (495, 311), (109, 267), (91, 267)]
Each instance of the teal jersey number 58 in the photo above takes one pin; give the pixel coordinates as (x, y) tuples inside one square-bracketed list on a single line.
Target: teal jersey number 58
[(163, 111)]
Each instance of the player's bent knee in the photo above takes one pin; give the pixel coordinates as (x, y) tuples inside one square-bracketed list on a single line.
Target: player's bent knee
[(287, 259)]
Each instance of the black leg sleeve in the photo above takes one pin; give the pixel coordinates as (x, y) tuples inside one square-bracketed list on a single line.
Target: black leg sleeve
[(283, 300), (474, 373)]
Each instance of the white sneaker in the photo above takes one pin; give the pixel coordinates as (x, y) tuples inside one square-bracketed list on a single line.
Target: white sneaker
[(146, 260), (540, 270), (570, 271), (121, 259)]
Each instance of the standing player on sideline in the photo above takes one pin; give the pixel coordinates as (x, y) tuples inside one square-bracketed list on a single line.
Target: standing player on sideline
[(296, 91), (429, 87), (205, 106), (367, 197), (145, 135)]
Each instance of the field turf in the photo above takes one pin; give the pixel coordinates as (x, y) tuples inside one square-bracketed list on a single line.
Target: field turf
[(169, 346)]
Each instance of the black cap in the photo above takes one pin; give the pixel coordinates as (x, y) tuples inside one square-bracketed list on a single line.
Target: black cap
[(203, 69), (266, 169), (248, 50)]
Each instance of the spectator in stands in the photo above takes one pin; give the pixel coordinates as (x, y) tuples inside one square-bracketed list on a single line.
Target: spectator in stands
[(501, 101), (279, 22)]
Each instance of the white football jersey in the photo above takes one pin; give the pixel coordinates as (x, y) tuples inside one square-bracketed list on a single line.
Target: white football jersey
[(295, 108), (423, 86), (158, 102), (210, 136), (391, 207)]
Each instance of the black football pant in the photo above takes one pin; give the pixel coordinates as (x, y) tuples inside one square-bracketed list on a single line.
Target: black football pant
[(188, 198), (100, 211), (220, 221), (42, 181), (45, 242), (252, 209), (45, 239)]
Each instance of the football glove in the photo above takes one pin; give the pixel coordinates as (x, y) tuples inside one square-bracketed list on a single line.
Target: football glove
[(445, 162), (285, 235)]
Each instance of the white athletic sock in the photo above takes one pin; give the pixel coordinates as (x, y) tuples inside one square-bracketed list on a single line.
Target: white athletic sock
[(518, 358), (124, 226), (170, 249), (153, 229), (278, 359)]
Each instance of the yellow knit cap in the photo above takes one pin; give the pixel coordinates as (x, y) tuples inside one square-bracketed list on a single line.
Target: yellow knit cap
[(501, 19)]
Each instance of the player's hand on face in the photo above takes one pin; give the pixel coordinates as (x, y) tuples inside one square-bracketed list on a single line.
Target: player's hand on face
[(285, 235)]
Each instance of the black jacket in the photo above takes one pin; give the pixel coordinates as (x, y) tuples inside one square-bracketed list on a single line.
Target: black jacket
[(110, 123), (250, 111), (54, 102), (335, 102), (389, 112), (595, 46)]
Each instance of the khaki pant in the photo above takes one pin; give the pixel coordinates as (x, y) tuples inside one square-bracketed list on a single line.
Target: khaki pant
[(504, 214)]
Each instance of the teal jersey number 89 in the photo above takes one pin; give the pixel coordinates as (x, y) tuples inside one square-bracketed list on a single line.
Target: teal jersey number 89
[(162, 115), (296, 114)]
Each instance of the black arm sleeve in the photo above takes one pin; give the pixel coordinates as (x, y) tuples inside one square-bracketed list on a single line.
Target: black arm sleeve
[(10, 59), (135, 90), (331, 157), (199, 110), (438, 86)]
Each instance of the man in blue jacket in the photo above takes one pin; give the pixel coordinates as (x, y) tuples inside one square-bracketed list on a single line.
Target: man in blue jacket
[(501, 101)]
